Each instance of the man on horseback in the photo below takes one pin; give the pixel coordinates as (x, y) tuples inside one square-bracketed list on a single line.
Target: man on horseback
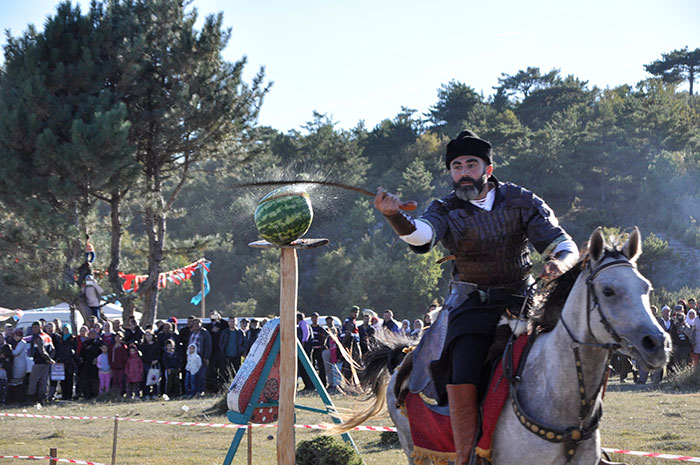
[(486, 226)]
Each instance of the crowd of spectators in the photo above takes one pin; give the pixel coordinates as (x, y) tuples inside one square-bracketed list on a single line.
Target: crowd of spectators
[(105, 358), (679, 321), (331, 349), (108, 359)]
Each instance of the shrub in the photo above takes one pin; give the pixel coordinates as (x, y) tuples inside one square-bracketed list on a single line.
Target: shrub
[(686, 379), (326, 450), (220, 407), (389, 439)]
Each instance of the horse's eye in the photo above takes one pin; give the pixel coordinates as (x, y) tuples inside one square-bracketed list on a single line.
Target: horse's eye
[(608, 291)]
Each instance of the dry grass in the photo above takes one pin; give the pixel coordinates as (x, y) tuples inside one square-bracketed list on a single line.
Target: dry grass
[(636, 419), (152, 444), (651, 420)]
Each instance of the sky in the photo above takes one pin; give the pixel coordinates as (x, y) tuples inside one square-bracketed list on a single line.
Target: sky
[(363, 60)]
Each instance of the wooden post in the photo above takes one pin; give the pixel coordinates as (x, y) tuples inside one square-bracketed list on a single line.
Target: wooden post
[(114, 440), (288, 356), (53, 453), (250, 443), (288, 342), (204, 305)]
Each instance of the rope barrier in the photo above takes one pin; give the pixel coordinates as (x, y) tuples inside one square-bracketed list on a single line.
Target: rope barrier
[(187, 423), (36, 457), (683, 458), (655, 455)]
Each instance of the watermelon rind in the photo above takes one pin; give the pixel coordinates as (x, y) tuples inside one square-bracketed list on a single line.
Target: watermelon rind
[(284, 215)]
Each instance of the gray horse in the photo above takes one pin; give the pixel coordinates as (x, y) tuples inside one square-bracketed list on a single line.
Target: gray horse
[(554, 409)]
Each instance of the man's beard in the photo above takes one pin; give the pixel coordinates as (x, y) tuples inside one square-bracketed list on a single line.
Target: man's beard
[(467, 193)]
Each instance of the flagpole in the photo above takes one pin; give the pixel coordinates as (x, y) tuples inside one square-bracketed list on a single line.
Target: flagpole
[(201, 271)]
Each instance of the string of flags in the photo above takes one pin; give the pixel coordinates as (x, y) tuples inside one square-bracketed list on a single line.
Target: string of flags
[(177, 277)]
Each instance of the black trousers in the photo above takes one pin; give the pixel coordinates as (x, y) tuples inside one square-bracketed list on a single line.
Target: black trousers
[(67, 384), (470, 332), (301, 371), (233, 364), (468, 358), (317, 359)]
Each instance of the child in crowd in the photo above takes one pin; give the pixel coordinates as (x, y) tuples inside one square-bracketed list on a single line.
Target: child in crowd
[(150, 356), (89, 250), (118, 355), (335, 359), (103, 368), (133, 371), (171, 368), (194, 363)]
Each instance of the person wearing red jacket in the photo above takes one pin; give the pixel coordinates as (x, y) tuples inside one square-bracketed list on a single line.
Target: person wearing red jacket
[(117, 361), (133, 370)]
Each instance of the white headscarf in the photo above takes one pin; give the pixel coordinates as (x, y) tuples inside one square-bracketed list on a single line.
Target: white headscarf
[(690, 321)]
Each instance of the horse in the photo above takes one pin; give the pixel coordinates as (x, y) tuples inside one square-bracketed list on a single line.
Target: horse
[(555, 401)]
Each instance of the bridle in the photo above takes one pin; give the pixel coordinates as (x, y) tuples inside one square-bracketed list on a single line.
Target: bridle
[(592, 298), (574, 435)]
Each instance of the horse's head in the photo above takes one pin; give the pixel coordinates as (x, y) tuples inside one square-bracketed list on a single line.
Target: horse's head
[(618, 302)]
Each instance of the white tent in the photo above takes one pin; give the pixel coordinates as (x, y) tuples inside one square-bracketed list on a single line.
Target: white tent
[(62, 311)]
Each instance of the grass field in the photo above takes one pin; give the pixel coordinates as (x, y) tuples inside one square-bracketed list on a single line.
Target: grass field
[(634, 419)]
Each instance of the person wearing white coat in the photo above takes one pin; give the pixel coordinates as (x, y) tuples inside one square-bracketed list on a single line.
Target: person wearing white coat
[(17, 390)]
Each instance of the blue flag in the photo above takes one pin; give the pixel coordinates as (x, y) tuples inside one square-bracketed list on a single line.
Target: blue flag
[(198, 298)]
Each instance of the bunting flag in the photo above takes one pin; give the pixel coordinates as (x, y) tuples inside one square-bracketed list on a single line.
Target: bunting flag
[(133, 281), (6, 313), (204, 269)]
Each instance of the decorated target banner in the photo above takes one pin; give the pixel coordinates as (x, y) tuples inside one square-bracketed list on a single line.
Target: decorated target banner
[(241, 390)]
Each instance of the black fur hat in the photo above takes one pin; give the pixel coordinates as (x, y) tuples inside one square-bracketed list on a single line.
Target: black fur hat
[(468, 143)]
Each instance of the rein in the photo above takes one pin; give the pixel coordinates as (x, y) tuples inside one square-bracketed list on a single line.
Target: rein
[(574, 435)]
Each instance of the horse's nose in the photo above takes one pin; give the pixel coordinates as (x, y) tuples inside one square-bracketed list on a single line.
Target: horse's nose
[(654, 343)]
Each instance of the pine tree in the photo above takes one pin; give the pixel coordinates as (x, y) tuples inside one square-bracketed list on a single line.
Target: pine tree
[(186, 105), (63, 138), (677, 66)]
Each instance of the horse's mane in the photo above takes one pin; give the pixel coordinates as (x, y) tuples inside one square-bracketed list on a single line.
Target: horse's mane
[(550, 301)]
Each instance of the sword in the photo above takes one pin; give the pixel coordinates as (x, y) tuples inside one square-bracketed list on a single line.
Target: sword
[(405, 206)]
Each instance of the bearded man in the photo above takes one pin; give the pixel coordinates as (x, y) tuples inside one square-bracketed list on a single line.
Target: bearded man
[(487, 226)]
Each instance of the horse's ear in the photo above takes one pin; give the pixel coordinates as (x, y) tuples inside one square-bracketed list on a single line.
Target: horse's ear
[(633, 247), (596, 245)]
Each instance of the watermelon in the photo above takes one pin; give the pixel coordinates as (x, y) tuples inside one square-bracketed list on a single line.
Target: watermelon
[(284, 215)]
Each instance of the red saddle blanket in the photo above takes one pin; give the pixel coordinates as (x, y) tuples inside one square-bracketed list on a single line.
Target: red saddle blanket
[(496, 397), (432, 433)]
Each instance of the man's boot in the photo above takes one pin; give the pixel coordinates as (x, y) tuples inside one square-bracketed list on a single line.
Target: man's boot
[(464, 417)]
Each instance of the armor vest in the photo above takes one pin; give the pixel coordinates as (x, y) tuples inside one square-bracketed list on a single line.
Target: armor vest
[(490, 247)]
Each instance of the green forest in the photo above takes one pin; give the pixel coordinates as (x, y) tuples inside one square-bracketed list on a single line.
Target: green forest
[(125, 123)]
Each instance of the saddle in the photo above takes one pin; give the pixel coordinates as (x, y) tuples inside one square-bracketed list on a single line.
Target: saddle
[(422, 378), (431, 429), (430, 346), (417, 392)]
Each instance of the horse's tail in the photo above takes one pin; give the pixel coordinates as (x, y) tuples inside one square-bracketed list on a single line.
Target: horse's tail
[(385, 355)]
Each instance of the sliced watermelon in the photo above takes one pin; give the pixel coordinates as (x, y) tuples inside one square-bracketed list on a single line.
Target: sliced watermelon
[(284, 215)]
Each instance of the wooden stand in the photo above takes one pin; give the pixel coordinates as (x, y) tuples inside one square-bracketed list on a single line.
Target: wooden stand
[(288, 349), (253, 404)]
